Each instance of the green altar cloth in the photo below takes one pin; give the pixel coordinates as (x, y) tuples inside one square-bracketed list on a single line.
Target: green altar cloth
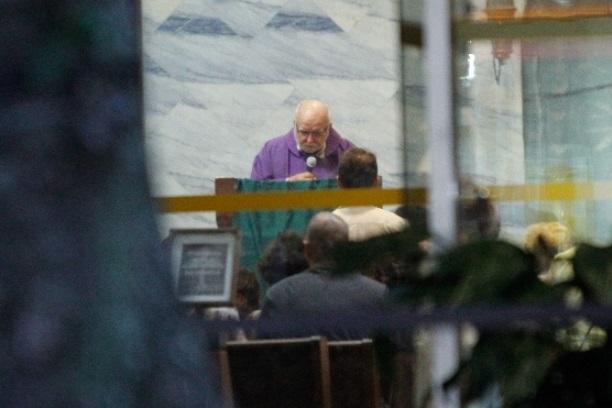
[(259, 228)]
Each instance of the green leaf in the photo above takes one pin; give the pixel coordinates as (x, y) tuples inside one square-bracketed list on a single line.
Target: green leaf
[(593, 272), (401, 246), (517, 361)]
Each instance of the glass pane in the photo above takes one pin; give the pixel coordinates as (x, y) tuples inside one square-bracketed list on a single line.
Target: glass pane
[(567, 127), (417, 162), (416, 159), (222, 78), (533, 112), (490, 147), (536, 112)]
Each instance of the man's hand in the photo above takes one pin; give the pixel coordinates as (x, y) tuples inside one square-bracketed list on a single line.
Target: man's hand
[(301, 176)]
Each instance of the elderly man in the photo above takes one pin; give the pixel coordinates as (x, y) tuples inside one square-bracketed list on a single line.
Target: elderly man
[(358, 168), (320, 291), (311, 150)]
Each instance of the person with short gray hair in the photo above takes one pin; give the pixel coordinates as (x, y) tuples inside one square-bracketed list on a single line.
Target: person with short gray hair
[(321, 291), (324, 231)]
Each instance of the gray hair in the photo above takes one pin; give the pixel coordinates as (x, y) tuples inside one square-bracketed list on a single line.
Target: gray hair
[(324, 231)]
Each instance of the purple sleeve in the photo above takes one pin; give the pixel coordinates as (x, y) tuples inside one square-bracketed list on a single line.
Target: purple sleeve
[(258, 172), (262, 165)]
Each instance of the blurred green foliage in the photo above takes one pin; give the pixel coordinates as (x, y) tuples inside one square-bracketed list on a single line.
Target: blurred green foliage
[(531, 363)]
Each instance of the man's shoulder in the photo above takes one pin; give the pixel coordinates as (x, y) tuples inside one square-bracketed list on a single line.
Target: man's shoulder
[(353, 211), (370, 212), (391, 216), (337, 142), (386, 217), (338, 212), (291, 282), (369, 290), (359, 214), (278, 142), (368, 221), (372, 284)]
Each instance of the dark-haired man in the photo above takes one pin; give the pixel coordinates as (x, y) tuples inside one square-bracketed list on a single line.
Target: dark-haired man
[(282, 257), (358, 169)]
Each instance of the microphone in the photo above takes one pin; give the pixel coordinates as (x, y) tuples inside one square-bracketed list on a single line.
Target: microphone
[(311, 163)]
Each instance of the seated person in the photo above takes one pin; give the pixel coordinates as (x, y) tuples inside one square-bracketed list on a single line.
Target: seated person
[(312, 139), (283, 257), (247, 294), (245, 306), (320, 291), (358, 169), (478, 217)]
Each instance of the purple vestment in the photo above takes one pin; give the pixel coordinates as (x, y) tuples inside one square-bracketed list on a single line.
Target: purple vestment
[(280, 158)]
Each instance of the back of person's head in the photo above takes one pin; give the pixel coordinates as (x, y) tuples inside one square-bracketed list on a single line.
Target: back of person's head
[(478, 218), (357, 168), (283, 257), (324, 231)]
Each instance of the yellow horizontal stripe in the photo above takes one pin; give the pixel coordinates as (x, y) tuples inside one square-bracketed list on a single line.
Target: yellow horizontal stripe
[(288, 200), (554, 192), (374, 196)]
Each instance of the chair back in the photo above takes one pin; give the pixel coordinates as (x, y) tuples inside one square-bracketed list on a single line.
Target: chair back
[(355, 380), (279, 373)]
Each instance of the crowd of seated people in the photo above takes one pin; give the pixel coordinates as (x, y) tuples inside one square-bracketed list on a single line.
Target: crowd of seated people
[(299, 272), (303, 281)]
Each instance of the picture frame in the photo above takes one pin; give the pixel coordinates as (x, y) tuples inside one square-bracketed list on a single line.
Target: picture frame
[(205, 264)]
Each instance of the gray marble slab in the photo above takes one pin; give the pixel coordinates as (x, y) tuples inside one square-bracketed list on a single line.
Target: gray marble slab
[(222, 77)]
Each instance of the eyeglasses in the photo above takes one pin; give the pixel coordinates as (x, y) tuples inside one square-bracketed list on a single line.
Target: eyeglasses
[(313, 133)]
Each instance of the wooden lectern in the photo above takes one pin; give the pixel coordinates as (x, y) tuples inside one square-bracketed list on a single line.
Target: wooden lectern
[(225, 185)]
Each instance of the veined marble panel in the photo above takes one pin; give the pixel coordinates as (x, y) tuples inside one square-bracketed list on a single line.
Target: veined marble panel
[(491, 143), (222, 77)]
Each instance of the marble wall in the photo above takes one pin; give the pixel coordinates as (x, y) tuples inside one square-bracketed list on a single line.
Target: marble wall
[(568, 127), (221, 77), (490, 145), (490, 119)]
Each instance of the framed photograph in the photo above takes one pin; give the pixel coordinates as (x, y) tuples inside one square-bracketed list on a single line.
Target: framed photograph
[(205, 265)]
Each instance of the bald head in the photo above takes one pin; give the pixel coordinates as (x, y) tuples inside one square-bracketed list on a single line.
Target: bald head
[(312, 123), (312, 109), (324, 231)]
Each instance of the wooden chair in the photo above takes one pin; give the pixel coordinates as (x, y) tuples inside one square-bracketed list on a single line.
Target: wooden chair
[(355, 382), (278, 373)]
